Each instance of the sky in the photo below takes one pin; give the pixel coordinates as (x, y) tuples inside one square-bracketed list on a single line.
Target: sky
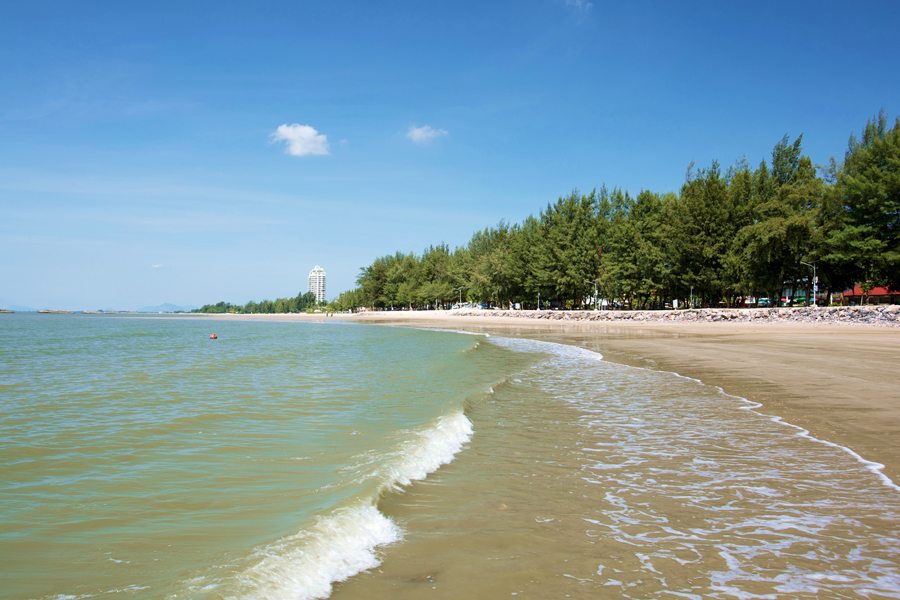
[(195, 152)]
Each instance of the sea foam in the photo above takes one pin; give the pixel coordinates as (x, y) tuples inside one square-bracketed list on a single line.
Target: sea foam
[(425, 450), (305, 566)]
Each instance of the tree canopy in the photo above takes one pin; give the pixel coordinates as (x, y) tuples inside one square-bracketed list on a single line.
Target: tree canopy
[(300, 303), (725, 236)]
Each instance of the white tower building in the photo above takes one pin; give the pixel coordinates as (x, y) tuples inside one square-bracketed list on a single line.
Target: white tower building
[(317, 283)]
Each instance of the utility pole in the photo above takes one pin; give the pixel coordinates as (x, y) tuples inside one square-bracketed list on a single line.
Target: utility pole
[(815, 280), (460, 295)]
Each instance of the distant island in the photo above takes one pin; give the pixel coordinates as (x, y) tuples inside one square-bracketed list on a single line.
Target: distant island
[(166, 308), (162, 308)]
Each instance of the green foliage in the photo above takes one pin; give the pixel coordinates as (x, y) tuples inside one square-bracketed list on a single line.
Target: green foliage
[(699, 234), (868, 187), (567, 260), (301, 303), (722, 238), (637, 265), (781, 231)]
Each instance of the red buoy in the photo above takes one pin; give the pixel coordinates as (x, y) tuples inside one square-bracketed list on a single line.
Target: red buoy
[(213, 337)]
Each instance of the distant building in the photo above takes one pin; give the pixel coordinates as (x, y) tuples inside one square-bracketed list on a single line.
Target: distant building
[(317, 283), (878, 295)]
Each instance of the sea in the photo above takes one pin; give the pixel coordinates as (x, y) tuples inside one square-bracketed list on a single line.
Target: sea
[(328, 459)]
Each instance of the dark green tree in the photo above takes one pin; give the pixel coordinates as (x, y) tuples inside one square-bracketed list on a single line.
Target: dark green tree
[(869, 188)]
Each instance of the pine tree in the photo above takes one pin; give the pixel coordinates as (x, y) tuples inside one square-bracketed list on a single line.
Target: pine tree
[(869, 186)]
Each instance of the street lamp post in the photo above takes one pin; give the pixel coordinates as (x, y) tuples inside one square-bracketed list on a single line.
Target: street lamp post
[(692, 296), (460, 295), (815, 280)]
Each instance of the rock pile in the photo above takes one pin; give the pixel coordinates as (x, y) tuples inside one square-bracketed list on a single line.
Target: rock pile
[(884, 314)]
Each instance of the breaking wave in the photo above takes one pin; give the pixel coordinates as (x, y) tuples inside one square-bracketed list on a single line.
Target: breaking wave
[(305, 566)]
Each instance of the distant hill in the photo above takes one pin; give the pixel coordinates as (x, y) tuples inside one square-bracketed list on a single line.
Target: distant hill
[(20, 308), (166, 307)]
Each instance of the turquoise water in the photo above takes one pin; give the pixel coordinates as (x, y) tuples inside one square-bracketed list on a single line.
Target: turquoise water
[(139, 456), (298, 460)]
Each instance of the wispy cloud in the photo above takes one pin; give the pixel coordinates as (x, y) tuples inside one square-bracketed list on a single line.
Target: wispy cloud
[(424, 134), (580, 5), (301, 140), (156, 266)]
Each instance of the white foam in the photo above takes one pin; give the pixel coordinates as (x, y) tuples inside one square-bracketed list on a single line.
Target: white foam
[(563, 350), (424, 451), (765, 493), (554, 348), (306, 565)]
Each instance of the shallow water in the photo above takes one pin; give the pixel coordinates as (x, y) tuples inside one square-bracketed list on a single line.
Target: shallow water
[(140, 458), (588, 479)]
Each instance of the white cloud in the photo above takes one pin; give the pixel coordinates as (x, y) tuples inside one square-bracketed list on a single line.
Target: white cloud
[(579, 5), (424, 134), (301, 139), (156, 266)]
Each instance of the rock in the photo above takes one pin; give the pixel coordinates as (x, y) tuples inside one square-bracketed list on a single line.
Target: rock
[(880, 315)]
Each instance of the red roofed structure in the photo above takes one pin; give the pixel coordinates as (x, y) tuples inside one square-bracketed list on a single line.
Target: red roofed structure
[(878, 295)]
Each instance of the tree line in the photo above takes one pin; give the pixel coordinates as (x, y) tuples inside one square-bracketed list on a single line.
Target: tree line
[(726, 236), (301, 303)]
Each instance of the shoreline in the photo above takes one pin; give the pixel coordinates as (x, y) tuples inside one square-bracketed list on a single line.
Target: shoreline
[(837, 380)]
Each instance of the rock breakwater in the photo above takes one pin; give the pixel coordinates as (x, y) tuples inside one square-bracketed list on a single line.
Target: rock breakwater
[(879, 315)]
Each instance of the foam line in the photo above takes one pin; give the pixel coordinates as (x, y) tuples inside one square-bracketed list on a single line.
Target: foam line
[(305, 566), (573, 351), (425, 451)]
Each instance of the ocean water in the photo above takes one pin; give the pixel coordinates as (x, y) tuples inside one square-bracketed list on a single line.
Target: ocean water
[(312, 460), (141, 458)]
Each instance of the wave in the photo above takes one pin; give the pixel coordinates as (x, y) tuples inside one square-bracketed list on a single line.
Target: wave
[(566, 351), (425, 451), (306, 565)]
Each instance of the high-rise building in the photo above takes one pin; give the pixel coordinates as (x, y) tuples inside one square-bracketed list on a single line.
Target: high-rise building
[(317, 283)]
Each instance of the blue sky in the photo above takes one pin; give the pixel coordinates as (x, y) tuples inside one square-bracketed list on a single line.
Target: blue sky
[(143, 158)]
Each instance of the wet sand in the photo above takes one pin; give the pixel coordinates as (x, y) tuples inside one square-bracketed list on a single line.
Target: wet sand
[(840, 382)]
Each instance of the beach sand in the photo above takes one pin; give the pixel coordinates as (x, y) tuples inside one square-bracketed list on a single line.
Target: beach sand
[(840, 382)]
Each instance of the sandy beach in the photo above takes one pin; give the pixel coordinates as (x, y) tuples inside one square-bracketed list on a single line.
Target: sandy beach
[(840, 382)]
